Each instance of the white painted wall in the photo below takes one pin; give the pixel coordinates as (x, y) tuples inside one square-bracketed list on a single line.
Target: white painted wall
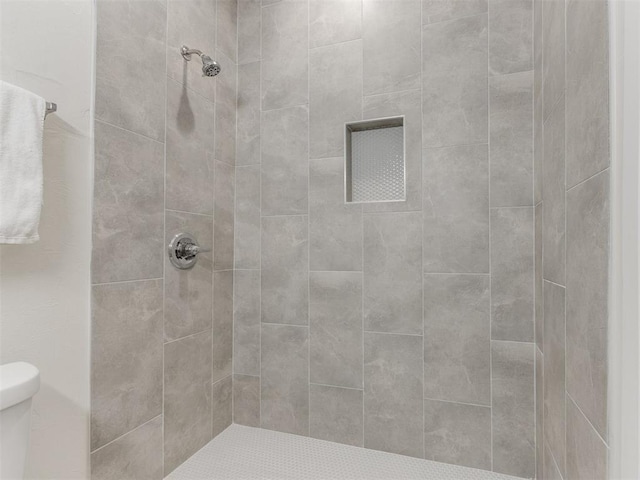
[(47, 46)]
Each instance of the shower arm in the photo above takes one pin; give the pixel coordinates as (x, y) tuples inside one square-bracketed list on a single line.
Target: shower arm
[(187, 52)]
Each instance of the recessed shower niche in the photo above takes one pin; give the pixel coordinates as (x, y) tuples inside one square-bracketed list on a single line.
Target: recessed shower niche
[(375, 163)]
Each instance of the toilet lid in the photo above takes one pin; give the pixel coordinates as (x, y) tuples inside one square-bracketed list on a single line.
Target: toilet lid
[(19, 381)]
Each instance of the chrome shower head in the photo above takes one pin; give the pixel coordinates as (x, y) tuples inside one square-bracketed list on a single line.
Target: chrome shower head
[(210, 68)]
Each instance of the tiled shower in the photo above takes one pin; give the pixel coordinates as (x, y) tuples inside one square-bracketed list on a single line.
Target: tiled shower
[(438, 327)]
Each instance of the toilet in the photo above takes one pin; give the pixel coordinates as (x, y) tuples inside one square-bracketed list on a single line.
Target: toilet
[(19, 382)]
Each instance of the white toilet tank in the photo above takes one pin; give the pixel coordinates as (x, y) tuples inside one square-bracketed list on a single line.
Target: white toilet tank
[(19, 382)]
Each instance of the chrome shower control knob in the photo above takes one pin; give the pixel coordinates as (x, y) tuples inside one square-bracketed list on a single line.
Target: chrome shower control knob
[(184, 250)]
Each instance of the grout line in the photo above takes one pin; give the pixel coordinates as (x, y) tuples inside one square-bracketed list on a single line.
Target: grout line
[(336, 386), (586, 179), (451, 20), (308, 219), (575, 404), (490, 237), (127, 281), (456, 403), (113, 125), (126, 433), (554, 283), (457, 273), (173, 210), (422, 222), (189, 336)]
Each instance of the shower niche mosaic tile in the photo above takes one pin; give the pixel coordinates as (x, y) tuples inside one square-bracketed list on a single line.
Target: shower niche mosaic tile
[(375, 163)]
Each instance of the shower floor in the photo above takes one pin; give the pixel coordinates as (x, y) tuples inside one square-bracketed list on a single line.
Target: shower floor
[(252, 453)]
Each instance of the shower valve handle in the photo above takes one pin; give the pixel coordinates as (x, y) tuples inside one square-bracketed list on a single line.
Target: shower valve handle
[(184, 250)]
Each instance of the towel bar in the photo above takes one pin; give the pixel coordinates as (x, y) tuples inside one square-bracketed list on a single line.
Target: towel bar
[(51, 107)]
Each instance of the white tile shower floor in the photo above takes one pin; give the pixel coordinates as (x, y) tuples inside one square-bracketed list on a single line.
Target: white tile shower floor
[(242, 453)]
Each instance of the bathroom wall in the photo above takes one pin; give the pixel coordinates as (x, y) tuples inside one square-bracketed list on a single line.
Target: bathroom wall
[(47, 47), (165, 152), (572, 236), (406, 327)]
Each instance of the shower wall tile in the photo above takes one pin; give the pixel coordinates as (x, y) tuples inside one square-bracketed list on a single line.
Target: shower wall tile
[(126, 368), (191, 23), (395, 104), (391, 35), (511, 139), (223, 227), (285, 271), (187, 398), (226, 84), (586, 453), (285, 54), (249, 21), (335, 95), (553, 44), (392, 273), (553, 181), (540, 449), (511, 38), (587, 87), (227, 28), (188, 306), (587, 297), (221, 405), (457, 433), (222, 324), (248, 128), (550, 469), (246, 400), (285, 164), (434, 11), (455, 82), (225, 130), (284, 390), (335, 227), (189, 153), (246, 322), (457, 349), (538, 299), (512, 266), (513, 418), (129, 94), (456, 209), (537, 101), (335, 309), (336, 414), (554, 372), (334, 21), (138, 454), (128, 206), (247, 222), (393, 410)]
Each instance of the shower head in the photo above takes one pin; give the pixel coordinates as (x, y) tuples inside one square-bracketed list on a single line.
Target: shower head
[(210, 68)]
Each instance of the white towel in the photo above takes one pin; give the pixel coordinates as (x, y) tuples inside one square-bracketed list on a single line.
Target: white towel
[(21, 126)]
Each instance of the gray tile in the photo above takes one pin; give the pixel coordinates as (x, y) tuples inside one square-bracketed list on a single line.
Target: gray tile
[(434, 11), (587, 87), (587, 301), (512, 265), (187, 398), (246, 252), (191, 23), (456, 209), (246, 322), (538, 299), (284, 389), (537, 102), (127, 95), (407, 104), (248, 116), (457, 433), (225, 129), (553, 52), (511, 139), (335, 309), (334, 21), (335, 227), (128, 217), (393, 273), (457, 348), (249, 20), (511, 38), (135, 456), (285, 54), (554, 372), (222, 324), (223, 225), (226, 84), (513, 416), (553, 182), (189, 162), (550, 469), (391, 34), (285, 164), (285, 275), (336, 414), (586, 453), (335, 95), (393, 413), (540, 453), (126, 358), (221, 404), (246, 400), (227, 28), (455, 82), (188, 305)]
